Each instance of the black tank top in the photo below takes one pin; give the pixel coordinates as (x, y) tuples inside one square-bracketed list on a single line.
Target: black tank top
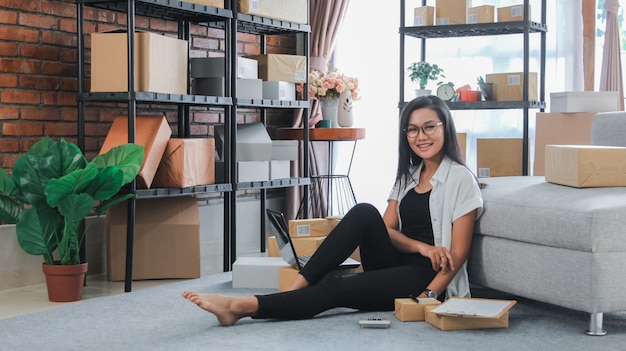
[(415, 216)]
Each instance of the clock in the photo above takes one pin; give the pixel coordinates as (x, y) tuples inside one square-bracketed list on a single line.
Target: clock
[(445, 91)]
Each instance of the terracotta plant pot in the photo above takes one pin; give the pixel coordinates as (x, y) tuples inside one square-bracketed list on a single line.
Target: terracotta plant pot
[(65, 283)]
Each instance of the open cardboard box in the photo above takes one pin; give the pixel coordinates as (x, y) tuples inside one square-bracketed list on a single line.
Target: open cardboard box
[(467, 319)]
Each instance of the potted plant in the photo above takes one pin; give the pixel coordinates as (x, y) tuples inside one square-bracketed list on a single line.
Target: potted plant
[(53, 188), (422, 72)]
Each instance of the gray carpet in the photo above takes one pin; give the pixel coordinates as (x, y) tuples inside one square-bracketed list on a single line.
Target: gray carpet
[(160, 319)]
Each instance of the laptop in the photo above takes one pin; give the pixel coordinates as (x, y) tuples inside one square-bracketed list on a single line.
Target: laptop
[(287, 250)]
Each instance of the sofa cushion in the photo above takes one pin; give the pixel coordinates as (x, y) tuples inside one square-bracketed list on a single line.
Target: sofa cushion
[(529, 209)]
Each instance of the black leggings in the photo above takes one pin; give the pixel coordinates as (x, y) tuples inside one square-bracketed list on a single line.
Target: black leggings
[(387, 273)]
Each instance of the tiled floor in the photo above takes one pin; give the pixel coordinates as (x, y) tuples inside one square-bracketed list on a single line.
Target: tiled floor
[(34, 298)]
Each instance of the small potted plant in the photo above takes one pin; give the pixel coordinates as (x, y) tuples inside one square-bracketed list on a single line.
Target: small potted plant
[(52, 189), (422, 72)]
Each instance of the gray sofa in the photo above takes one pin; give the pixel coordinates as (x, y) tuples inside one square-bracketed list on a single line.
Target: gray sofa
[(553, 243)]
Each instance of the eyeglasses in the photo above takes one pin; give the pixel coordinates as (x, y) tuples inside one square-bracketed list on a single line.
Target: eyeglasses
[(428, 129)]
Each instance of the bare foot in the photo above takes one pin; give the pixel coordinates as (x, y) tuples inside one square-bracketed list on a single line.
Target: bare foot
[(298, 282), (227, 309)]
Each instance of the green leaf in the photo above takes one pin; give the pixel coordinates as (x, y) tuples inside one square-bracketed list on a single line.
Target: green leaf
[(10, 209), (36, 231), (7, 186), (105, 205), (128, 157), (75, 207), (73, 183), (107, 183)]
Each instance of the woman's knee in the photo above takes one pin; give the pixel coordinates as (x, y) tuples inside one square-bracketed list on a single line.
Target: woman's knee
[(364, 209)]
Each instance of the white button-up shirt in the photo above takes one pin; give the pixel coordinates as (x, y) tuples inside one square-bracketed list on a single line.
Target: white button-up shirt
[(455, 193)]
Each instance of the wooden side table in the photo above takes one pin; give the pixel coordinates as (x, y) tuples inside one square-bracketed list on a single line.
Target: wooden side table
[(331, 194)]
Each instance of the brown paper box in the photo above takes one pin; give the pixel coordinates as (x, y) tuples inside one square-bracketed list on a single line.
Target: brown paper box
[(212, 3), (499, 157), (167, 239), (450, 12), (407, 310), (424, 16), (288, 10), (281, 67), (481, 14), (453, 322), (511, 13), (160, 63), (309, 227), (462, 137), (559, 129), (186, 162), (509, 86), (287, 274), (303, 246), (152, 132), (585, 166)]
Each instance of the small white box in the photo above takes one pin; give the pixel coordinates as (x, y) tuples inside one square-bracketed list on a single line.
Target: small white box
[(253, 142), (584, 101), (280, 169), (253, 171), (279, 90), (213, 67), (257, 272)]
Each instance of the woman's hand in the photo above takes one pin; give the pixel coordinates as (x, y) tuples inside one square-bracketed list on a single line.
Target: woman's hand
[(440, 258)]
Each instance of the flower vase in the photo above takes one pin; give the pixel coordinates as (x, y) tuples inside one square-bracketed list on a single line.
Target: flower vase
[(330, 109), (344, 115)]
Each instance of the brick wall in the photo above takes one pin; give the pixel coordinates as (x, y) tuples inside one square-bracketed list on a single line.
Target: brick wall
[(38, 74)]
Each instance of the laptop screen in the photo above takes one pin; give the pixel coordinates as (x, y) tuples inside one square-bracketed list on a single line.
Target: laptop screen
[(287, 251)]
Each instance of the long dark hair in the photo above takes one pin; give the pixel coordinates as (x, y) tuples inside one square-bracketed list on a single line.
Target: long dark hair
[(406, 156)]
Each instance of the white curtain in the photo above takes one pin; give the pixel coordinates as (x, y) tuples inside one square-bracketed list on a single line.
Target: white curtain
[(369, 50), (611, 74)]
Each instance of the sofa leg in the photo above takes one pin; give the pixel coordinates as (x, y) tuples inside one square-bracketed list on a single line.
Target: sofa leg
[(595, 325)]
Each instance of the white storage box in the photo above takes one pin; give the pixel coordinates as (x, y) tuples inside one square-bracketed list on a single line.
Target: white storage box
[(253, 142), (284, 149), (278, 90), (214, 86), (206, 67), (280, 169), (257, 272), (247, 171), (584, 101)]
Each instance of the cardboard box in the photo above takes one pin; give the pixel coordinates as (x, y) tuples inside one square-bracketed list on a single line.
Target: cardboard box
[(288, 274), (509, 86), (253, 142), (462, 138), (499, 157), (310, 227), (512, 13), (584, 101), (152, 132), (212, 3), (461, 322), (186, 162), (160, 63), (214, 86), (559, 129), (407, 310), (167, 239), (281, 67), (257, 272), (424, 16), (296, 11), (213, 67), (276, 90), (481, 14), (450, 12), (586, 166), (303, 246)]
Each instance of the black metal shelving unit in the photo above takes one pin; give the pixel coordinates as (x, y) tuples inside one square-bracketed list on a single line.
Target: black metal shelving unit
[(186, 14), (525, 28)]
